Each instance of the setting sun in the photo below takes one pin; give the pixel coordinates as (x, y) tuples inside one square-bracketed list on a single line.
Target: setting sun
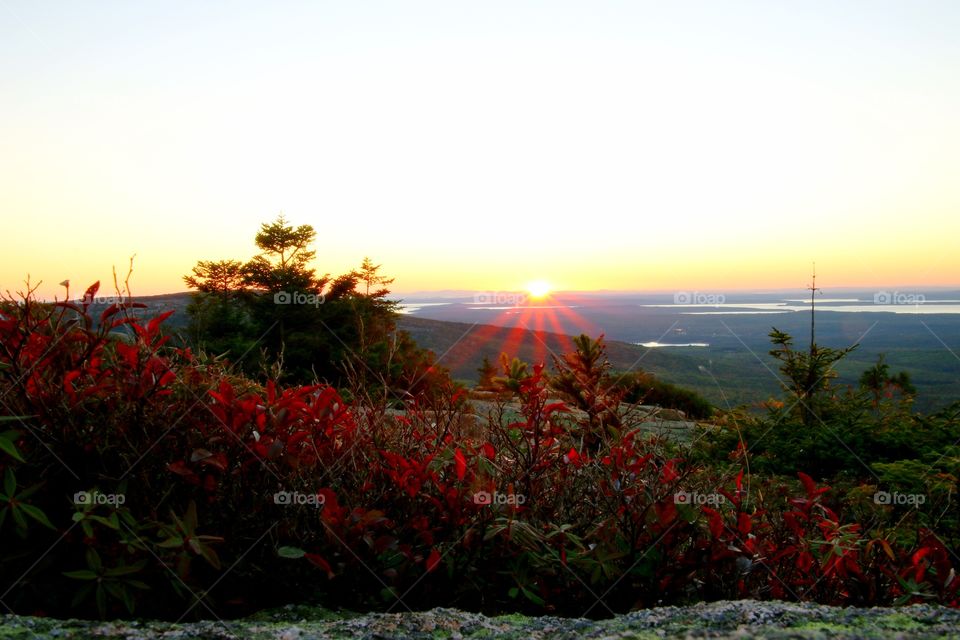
[(538, 288)]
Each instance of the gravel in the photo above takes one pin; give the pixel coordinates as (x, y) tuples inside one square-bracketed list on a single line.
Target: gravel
[(725, 619)]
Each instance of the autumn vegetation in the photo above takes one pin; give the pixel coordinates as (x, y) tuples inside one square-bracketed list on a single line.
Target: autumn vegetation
[(282, 452)]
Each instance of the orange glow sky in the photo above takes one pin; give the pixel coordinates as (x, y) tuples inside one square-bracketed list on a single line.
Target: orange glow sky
[(601, 145)]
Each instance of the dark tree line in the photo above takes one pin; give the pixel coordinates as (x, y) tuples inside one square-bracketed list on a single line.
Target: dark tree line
[(273, 314)]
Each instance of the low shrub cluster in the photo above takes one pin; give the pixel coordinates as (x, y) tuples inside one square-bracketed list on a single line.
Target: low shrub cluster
[(141, 479)]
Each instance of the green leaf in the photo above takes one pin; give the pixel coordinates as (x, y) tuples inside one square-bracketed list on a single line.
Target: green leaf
[(81, 574), (101, 601), (93, 560), (291, 552), (210, 556), (190, 518), (7, 440), (82, 594), (9, 483), (128, 600), (124, 570), (18, 518), (171, 543), (114, 589), (37, 515), (532, 597)]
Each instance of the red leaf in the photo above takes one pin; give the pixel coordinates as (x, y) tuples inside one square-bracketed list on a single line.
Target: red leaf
[(318, 561), (810, 486), (130, 354), (715, 521), (210, 483), (154, 323), (744, 523), (179, 467), (217, 461), (433, 560), (109, 312), (297, 438), (461, 464), (669, 473), (67, 379), (488, 451), (919, 555), (808, 483), (90, 294), (666, 512)]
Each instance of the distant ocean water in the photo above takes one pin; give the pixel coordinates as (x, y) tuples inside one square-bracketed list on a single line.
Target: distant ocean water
[(656, 345), (848, 306)]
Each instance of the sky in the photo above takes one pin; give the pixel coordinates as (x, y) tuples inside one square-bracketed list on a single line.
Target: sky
[(482, 145)]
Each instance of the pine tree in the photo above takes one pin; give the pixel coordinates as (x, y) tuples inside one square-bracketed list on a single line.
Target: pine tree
[(486, 373)]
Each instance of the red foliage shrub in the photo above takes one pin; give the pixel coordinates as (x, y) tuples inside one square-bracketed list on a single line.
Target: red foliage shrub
[(139, 477)]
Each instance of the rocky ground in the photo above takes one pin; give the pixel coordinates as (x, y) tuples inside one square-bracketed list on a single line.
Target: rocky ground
[(737, 619)]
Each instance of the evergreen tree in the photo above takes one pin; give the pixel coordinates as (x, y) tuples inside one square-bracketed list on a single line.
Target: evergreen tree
[(486, 372), (582, 379), (278, 311)]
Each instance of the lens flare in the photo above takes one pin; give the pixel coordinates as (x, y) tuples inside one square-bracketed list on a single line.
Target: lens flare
[(538, 289)]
